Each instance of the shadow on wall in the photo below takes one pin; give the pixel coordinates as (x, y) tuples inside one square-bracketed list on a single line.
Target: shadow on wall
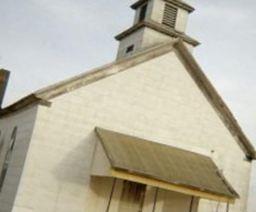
[(76, 165), (111, 194)]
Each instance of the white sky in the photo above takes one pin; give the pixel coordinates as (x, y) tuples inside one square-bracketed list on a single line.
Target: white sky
[(44, 41)]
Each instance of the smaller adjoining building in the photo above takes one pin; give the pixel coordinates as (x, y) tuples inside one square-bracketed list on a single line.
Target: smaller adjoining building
[(146, 133)]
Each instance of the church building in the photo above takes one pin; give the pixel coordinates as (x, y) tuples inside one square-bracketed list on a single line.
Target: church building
[(145, 133)]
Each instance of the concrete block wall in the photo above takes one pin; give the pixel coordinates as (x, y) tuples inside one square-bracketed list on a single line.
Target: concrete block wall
[(142, 39), (24, 121), (156, 100), (182, 20), (152, 37), (133, 39)]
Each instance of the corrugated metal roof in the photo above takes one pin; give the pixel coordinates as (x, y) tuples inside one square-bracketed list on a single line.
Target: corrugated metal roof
[(164, 163)]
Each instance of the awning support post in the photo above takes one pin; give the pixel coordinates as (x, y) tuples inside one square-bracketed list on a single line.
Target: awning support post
[(191, 204), (155, 199), (111, 194), (217, 208), (227, 210)]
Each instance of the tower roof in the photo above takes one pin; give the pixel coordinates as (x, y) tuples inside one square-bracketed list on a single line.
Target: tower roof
[(178, 3)]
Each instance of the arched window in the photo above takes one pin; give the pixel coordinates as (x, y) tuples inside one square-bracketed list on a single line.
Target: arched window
[(8, 156)]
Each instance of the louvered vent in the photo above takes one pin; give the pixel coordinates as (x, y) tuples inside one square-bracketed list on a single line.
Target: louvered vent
[(170, 15)]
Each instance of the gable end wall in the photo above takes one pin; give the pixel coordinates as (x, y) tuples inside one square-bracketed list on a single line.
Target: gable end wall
[(24, 121), (156, 100)]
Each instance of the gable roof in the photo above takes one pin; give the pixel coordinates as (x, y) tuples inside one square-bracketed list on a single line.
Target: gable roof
[(45, 95)]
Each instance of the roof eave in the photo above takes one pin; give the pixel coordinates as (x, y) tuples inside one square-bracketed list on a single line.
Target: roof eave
[(23, 103), (216, 100), (138, 4), (43, 96), (182, 5), (126, 175), (179, 3), (160, 28)]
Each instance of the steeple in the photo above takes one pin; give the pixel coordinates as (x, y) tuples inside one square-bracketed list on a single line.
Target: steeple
[(155, 21)]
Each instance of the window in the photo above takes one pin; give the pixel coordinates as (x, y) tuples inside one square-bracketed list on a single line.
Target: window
[(8, 157), (143, 11), (132, 197), (129, 48), (170, 15)]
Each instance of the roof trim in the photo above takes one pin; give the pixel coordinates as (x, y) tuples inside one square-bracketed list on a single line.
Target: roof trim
[(214, 98), (181, 4), (138, 4), (160, 28), (23, 103), (177, 3), (43, 96), (124, 175)]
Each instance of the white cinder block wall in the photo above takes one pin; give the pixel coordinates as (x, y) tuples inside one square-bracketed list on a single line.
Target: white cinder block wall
[(134, 39), (142, 39), (24, 121), (156, 100)]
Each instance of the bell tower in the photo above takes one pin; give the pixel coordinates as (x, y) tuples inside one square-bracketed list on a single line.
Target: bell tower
[(155, 21)]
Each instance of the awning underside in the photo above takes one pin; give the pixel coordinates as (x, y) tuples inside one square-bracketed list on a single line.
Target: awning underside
[(136, 159)]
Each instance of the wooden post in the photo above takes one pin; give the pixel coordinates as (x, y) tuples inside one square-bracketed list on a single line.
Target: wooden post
[(191, 204), (111, 194), (218, 206), (227, 209), (155, 200)]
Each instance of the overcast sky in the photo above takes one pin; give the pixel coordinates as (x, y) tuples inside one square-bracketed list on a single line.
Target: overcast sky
[(44, 41)]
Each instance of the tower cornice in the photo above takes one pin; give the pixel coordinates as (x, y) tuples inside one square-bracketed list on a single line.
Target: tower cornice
[(177, 3), (160, 28)]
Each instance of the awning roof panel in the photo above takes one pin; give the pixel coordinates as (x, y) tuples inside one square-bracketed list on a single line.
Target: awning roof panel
[(164, 163)]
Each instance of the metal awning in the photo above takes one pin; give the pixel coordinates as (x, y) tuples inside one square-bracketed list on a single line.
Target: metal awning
[(164, 166)]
